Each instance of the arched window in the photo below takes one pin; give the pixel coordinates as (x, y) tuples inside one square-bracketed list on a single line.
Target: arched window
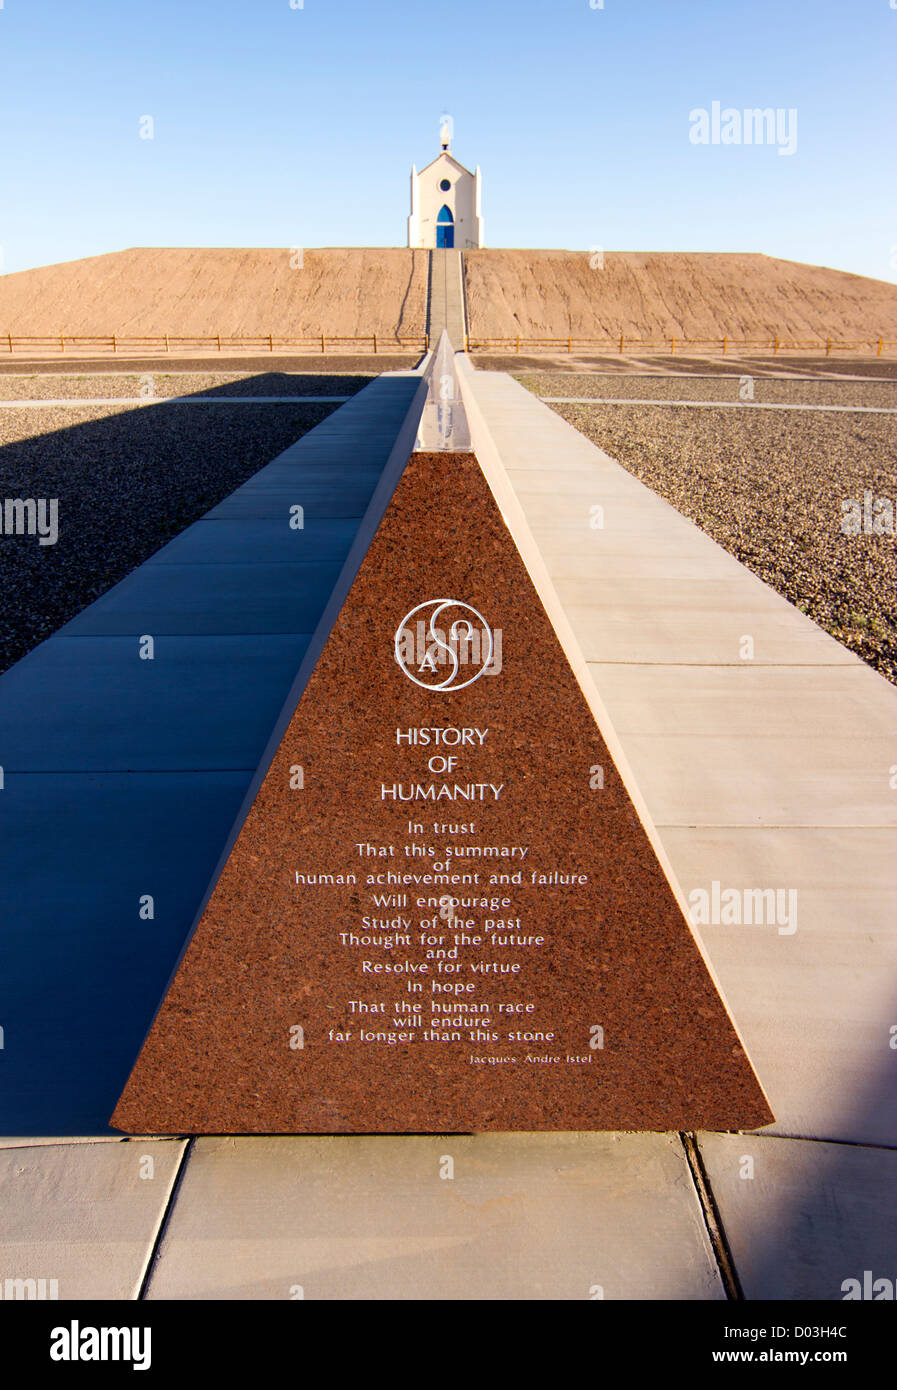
[(445, 214)]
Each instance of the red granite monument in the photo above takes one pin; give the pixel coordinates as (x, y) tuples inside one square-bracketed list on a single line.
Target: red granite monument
[(442, 912)]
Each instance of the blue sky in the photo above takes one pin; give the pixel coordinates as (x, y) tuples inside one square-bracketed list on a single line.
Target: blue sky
[(276, 126)]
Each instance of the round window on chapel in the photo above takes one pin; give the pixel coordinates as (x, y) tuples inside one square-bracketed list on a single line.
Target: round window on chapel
[(445, 185)]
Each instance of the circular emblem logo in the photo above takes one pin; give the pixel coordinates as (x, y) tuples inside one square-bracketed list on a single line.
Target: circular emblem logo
[(443, 644)]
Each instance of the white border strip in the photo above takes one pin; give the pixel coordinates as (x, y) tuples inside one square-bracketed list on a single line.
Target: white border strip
[(496, 475)]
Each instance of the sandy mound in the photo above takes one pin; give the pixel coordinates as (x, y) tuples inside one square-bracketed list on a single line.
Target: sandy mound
[(660, 295), (352, 290), (383, 290)]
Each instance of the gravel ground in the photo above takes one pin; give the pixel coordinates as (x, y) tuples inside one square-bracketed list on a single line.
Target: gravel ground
[(840, 366), (769, 487), (781, 365), (127, 481), (663, 365), (78, 386), (694, 388)]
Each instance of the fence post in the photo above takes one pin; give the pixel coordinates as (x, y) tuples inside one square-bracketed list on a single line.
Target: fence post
[(167, 344), (775, 350), (672, 347), (9, 338), (218, 336), (828, 347), (621, 344), (569, 344), (375, 342), (467, 342), (725, 345), (61, 343), (322, 343), (518, 342), (880, 345)]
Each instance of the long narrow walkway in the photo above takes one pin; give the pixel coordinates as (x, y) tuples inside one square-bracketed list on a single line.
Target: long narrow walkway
[(446, 310), (127, 742), (761, 747)]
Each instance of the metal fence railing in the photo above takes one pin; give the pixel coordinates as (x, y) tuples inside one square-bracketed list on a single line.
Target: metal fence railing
[(216, 342), (322, 343), (622, 343)]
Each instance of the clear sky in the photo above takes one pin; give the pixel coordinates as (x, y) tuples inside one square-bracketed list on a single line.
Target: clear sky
[(281, 126)]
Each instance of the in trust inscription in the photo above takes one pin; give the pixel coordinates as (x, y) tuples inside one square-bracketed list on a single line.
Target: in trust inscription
[(443, 948)]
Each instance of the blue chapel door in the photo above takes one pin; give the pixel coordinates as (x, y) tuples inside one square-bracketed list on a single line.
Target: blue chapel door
[(445, 228)]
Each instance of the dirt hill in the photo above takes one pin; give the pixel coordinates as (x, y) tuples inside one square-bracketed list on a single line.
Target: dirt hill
[(359, 290), (661, 294), (148, 290)]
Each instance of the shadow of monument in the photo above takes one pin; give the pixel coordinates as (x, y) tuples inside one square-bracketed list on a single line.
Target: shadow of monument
[(121, 777), (825, 1211), (128, 483)]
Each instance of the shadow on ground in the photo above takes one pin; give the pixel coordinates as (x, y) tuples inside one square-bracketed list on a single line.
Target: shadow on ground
[(122, 777), (128, 483)]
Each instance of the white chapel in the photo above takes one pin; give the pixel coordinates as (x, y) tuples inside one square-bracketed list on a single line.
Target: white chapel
[(445, 202)]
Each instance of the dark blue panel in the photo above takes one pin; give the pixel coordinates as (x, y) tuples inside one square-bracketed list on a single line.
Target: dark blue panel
[(90, 704), (124, 776), (81, 974), (212, 600)]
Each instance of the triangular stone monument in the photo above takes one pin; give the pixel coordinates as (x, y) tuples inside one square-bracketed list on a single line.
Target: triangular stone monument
[(442, 912)]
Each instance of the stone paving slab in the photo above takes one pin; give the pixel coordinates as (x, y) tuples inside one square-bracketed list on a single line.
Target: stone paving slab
[(548, 1216), (240, 542), (753, 745), (812, 1217), (203, 600), (815, 1006), (569, 544), (193, 706), (83, 1215), (623, 509), (274, 503), (599, 566), (316, 484), (852, 702), (735, 780), (654, 622)]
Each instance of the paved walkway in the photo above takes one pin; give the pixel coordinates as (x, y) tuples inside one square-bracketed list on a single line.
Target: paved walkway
[(773, 771), (446, 311), (128, 741)]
